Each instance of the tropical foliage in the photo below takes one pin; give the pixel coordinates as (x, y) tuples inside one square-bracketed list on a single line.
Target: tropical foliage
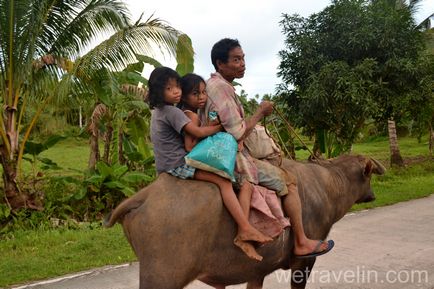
[(43, 60), (356, 60)]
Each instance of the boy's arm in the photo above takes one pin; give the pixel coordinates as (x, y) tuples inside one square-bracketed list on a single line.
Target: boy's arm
[(189, 140)]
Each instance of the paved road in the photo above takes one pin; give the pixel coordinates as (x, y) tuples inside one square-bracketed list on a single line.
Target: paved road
[(389, 247)]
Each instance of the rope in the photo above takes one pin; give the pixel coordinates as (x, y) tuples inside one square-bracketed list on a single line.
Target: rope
[(287, 153), (291, 129)]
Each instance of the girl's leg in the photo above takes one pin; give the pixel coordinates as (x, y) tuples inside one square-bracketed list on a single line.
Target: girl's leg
[(245, 196), (246, 232)]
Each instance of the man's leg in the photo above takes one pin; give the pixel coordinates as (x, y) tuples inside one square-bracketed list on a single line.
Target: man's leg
[(292, 208), (275, 178)]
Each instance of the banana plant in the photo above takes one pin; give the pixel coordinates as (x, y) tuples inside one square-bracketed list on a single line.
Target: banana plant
[(42, 56), (122, 117)]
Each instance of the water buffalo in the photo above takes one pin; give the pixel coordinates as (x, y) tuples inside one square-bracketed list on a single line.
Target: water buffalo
[(180, 230)]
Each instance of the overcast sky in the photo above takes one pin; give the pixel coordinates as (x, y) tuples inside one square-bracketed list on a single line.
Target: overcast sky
[(254, 23)]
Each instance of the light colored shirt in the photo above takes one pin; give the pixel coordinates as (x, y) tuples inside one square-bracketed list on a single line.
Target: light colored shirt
[(166, 127), (223, 100)]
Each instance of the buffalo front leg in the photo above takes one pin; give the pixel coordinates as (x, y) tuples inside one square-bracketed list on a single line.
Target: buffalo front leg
[(300, 273), (255, 284), (162, 278)]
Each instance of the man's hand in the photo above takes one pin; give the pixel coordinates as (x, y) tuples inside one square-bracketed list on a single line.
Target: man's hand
[(266, 108)]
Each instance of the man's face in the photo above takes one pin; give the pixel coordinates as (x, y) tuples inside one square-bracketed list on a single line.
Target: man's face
[(235, 67)]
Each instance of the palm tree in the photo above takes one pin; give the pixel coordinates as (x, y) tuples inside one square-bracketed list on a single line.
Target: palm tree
[(41, 58), (428, 28), (395, 154)]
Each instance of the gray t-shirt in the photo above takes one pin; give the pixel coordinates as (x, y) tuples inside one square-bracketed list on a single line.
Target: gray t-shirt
[(166, 126)]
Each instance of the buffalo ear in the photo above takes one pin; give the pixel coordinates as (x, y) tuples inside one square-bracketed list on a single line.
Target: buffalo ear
[(378, 168), (369, 166)]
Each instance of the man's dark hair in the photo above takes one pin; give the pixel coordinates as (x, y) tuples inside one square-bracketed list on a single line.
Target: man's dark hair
[(157, 83), (220, 50)]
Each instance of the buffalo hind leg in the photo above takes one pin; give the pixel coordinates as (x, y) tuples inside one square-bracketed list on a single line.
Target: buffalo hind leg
[(300, 273)]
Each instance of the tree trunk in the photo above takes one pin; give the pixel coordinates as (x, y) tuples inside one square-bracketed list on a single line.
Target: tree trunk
[(121, 157), (108, 140), (8, 160), (94, 151), (431, 139), (11, 192), (80, 117), (316, 150), (395, 155)]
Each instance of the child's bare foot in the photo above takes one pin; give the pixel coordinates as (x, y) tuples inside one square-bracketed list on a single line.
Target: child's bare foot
[(248, 249), (251, 234)]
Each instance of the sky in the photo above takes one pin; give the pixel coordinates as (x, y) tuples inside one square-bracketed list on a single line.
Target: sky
[(254, 23)]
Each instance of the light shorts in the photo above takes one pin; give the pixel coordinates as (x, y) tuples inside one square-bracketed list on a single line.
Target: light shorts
[(272, 177), (183, 172)]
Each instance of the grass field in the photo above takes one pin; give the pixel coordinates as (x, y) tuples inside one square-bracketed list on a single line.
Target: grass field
[(39, 254), (399, 184)]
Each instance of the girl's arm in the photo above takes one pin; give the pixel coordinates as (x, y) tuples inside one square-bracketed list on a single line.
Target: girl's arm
[(201, 131), (189, 140)]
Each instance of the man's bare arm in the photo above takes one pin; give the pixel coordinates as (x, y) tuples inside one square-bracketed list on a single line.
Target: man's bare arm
[(264, 109)]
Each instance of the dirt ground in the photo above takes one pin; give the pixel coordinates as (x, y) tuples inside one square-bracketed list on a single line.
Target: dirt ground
[(388, 247)]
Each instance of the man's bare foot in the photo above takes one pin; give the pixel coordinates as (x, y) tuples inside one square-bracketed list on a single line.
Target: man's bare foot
[(248, 249), (311, 247), (252, 234)]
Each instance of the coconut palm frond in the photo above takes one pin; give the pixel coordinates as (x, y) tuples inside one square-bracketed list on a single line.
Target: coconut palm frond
[(16, 52), (49, 59), (414, 5), (76, 30), (134, 90), (184, 55), (98, 113), (120, 49), (427, 23)]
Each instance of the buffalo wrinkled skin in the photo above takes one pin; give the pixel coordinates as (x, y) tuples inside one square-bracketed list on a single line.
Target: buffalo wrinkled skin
[(180, 230)]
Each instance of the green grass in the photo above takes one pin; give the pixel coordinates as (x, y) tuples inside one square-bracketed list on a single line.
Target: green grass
[(379, 148), (416, 180), (72, 153), (40, 254), (402, 184)]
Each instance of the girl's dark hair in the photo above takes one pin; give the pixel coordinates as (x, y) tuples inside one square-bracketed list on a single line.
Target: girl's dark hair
[(220, 50), (189, 83), (157, 83)]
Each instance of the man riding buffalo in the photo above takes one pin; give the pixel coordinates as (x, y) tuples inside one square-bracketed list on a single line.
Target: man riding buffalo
[(227, 56)]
